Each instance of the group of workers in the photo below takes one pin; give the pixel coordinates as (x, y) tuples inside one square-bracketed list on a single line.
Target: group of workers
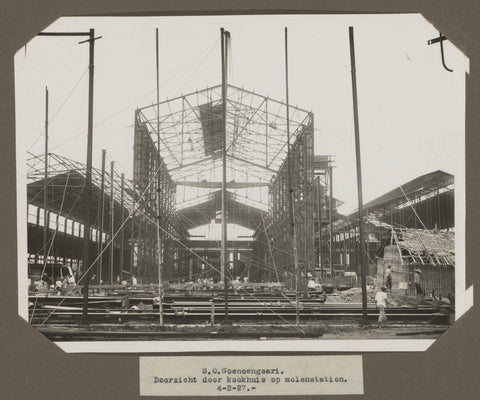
[(416, 281), (209, 283), (203, 284), (381, 298), (118, 281), (48, 284)]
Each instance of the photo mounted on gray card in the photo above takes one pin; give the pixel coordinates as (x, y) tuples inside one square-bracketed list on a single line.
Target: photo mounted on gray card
[(286, 180)]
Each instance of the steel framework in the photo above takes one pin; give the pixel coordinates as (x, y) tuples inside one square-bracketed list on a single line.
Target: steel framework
[(278, 223), (426, 202), (188, 150), (151, 178), (65, 214)]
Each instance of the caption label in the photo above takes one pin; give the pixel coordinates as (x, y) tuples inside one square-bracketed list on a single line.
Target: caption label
[(250, 375)]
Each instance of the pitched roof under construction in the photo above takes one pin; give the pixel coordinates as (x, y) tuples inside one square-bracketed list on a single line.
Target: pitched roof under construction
[(426, 245)]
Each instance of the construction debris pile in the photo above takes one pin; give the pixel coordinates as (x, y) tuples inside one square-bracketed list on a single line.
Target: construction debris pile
[(353, 295)]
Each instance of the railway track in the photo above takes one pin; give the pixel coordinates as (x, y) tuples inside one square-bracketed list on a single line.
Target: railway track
[(184, 310)]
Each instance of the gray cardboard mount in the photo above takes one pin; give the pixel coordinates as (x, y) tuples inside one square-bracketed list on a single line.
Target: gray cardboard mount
[(34, 368)]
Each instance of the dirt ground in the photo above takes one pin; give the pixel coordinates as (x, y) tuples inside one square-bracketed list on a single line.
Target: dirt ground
[(389, 332), (396, 298), (326, 331)]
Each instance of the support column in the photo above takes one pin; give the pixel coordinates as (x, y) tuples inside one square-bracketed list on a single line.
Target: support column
[(45, 187), (223, 272), (102, 217), (319, 208), (132, 234), (122, 222), (158, 192), (359, 177), (88, 176), (112, 220), (330, 213), (290, 190)]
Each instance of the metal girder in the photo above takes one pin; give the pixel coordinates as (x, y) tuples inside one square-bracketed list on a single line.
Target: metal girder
[(218, 185), (246, 124)]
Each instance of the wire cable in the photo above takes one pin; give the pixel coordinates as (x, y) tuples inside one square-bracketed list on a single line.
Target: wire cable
[(59, 108)]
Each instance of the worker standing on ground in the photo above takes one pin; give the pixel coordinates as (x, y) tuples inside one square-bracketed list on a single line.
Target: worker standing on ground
[(381, 301), (314, 288), (388, 278), (58, 286), (418, 286), (65, 284)]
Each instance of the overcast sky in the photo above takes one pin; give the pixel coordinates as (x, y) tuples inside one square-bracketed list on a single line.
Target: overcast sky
[(411, 109)]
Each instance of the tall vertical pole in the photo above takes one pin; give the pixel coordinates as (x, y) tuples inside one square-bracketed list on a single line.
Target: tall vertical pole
[(222, 249), (88, 176), (122, 235), (266, 132), (159, 238), (290, 189), (270, 249), (112, 219), (439, 219), (367, 240), (359, 177), (330, 213), (145, 237), (45, 187), (224, 54), (319, 208), (183, 132), (132, 233), (102, 216)]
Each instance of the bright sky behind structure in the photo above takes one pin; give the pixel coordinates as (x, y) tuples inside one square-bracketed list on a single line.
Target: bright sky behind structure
[(411, 110)]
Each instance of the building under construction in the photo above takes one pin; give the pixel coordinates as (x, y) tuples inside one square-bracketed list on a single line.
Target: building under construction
[(411, 226), (56, 220), (228, 213), (179, 151), (181, 160)]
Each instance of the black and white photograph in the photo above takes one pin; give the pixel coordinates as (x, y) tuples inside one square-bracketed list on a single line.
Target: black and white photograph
[(267, 181)]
